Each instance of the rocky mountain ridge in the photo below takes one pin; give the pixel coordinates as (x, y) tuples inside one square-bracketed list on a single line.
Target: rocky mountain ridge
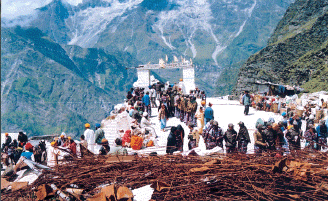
[(215, 34), (296, 53), (48, 88)]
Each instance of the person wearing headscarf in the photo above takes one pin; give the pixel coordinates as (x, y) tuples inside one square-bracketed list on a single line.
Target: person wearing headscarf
[(230, 137), (179, 137), (27, 154), (162, 116), (90, 137), (270, 137), (322, 134), (72, 147), (311, 137), (171, 141), (259, 144), (104, 147), (293, 136), (22, 139), (243, 138), (214, 137)]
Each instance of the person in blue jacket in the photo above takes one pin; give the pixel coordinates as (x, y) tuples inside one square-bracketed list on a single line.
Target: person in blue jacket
[(246, 100), (146, 103), (208, 113), (322, 134)]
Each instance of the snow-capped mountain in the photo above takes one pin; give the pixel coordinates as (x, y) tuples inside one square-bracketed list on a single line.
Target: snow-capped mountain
[(199, 29)]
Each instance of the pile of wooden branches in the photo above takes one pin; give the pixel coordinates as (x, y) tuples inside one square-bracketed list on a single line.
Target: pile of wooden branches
[(302, 176)]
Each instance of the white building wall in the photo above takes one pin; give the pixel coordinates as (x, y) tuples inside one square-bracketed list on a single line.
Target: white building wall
[(143, 78), (189, 79)]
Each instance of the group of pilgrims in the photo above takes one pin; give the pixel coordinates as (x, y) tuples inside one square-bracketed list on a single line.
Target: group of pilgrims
[(279, 137)]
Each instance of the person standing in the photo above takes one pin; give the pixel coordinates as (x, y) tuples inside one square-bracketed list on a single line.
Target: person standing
[(194, 106), (153, 97), (311, 137), (179, 137), (259, 145), (162, 116), (146, 103), (270, 137), (200, 119), (214, 137), (230, 138), (99, 135), (243, 138), (89, 137), (246, 100), (293, 137), (322, 134), (209, 113)]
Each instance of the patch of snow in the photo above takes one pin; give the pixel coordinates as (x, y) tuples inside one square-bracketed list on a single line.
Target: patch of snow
[(87, 24), (143, 193)]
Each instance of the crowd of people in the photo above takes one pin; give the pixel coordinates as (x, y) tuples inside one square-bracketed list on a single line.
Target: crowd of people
[(172, 103), (279, 137)]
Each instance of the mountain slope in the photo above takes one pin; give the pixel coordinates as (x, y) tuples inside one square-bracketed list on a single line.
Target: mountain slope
[(216, 34), (46, 88), (296, 53)]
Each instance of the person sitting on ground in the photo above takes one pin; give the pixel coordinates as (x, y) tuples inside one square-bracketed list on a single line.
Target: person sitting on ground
[(126, 139), (67, 142), (72, 147), (61, 140), (136, 140), (193, 137), (83, 142), (22, 139), (146, 124), (243, 138), (28, 154), (104, 147), (230, 137), (118, 149)]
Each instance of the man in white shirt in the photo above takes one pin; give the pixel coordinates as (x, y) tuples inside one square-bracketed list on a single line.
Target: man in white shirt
[(90, 137), (146, 124), (52, 155), (153, 97)]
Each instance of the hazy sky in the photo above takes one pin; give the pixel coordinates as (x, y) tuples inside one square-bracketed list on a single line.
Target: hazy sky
[(14, 8)]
